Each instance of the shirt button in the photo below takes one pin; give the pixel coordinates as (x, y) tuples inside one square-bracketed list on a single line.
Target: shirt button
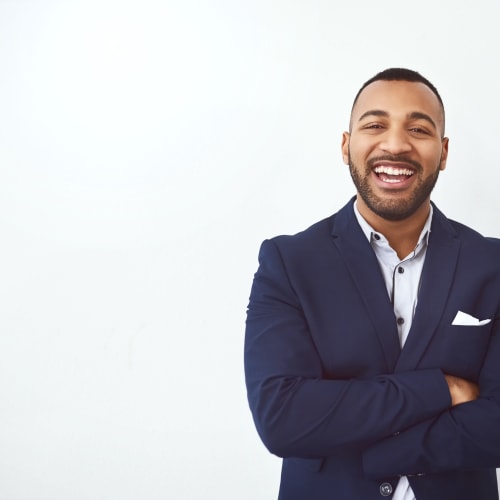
[(386, 489), (376, 236), (400, 321), (401, 270)]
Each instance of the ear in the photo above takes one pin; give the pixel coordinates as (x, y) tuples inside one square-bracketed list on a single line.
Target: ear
[(345, 147), (444, 153)]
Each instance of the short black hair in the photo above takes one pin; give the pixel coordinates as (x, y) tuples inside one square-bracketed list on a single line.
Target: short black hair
[(401, 75)]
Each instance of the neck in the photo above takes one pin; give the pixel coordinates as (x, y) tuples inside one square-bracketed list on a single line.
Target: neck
[(402, 234)]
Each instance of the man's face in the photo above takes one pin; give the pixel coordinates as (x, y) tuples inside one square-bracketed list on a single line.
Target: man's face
[(395, 147)]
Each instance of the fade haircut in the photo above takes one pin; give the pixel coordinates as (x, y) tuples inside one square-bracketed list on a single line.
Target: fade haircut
[(400, 75)]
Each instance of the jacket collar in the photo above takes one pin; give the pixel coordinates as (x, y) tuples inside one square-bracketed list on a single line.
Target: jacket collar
[(363, 267), (437, 277)]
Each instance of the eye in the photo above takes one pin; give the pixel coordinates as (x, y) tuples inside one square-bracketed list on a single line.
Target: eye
[(419, 130), (372, 126)]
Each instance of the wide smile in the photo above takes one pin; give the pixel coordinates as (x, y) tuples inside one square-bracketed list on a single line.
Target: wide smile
[(394, 175)]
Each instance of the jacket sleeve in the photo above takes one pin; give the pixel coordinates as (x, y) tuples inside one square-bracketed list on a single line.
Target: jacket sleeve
[(464, 437), (296, 410)]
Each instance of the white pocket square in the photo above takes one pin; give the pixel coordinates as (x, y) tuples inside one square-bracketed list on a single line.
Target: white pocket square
[(464, 319)]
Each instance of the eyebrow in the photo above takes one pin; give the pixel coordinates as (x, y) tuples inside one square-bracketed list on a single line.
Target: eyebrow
[(414, 115)]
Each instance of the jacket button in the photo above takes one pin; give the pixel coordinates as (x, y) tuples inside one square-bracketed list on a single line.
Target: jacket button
[(386, 489)]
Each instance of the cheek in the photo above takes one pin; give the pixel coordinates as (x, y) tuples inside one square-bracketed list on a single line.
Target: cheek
[(355, 152), (431, 155)]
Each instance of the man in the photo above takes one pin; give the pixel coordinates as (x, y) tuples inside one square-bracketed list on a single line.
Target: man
[(372, 348)]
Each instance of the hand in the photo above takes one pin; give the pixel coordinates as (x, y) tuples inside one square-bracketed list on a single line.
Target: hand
[(461, 390)]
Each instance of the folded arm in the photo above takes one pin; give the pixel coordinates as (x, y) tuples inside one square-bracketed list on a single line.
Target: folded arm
[(296, 409)]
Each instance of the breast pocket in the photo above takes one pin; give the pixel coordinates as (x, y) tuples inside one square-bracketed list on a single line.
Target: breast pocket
[(463, 349)]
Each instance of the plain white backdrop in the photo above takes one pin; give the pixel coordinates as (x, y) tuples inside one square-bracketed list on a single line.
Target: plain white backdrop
[(146, 150)]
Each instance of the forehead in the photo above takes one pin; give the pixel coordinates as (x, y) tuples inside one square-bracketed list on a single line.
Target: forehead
[(398, 98)]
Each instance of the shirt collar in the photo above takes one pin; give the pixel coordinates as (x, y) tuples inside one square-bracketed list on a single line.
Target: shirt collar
[(372, 235)]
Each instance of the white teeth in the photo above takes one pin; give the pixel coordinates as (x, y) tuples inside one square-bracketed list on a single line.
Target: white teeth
[(393, 171)]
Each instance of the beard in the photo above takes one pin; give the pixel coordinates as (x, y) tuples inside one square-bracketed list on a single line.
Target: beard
[(387, 207)]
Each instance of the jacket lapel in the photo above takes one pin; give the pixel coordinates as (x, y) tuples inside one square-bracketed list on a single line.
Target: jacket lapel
[(437, 277), (364, 269)]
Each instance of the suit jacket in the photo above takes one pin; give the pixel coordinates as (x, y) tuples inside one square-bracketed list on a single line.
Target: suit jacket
[(332, 392)]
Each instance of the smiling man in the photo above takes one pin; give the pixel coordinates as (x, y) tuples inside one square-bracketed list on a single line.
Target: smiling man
[(373, 337)]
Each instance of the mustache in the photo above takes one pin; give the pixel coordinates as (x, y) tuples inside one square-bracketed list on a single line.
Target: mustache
[(395, 158)]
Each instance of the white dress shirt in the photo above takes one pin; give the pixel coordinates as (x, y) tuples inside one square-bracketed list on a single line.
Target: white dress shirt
[(402, 279)]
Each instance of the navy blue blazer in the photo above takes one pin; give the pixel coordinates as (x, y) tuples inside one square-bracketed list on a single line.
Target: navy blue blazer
[(332, 392)]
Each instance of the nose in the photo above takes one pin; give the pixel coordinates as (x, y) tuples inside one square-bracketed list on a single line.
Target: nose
[(395, 141)]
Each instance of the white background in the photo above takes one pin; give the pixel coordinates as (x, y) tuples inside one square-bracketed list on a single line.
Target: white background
[(146, 149)]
